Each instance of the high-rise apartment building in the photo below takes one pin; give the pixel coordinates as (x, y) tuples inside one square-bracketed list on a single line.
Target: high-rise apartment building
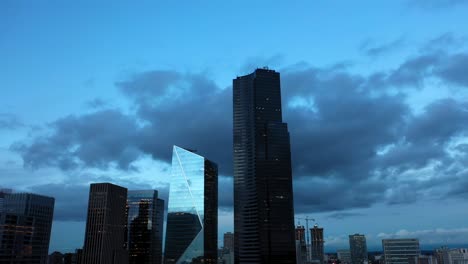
[(192, 219), (105, 225), (25, 226), (358, 249), (400, 251), (263, 196), (316, 245), (301, 245), (144, 227)]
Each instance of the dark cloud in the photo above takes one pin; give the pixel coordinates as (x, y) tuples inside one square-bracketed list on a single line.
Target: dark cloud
[(343, 215), (444, 41), (97, 140), (71, 201), (355, 141), (374, 50), (96, 103), (454, 69), (188, 110), (10, 121)]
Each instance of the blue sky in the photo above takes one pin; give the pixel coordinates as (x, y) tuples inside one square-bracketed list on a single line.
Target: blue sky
[(374, 93)]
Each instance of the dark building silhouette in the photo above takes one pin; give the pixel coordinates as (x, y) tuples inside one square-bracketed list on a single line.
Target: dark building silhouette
[(144, 227), (105, 225), (55, 258), (25, 226), (77, 258), (192, 219), (263, 197), (358, 249), (68, 258), (317, 250)]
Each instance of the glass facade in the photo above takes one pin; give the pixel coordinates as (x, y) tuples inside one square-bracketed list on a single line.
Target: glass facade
[(25, 227), (145, 215), (191, 234)]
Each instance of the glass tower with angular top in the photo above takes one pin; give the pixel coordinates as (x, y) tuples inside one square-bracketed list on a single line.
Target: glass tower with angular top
[(263, 196), (192, 219)]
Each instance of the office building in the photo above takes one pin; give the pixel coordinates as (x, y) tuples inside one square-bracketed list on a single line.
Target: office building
[(105, 225), (25, 226), (439, 254), (344, 255), (228, 242), (263, 197), (358, 249), (316, 244), (400, 251), (456, 256), (192, 219), (144, 227)]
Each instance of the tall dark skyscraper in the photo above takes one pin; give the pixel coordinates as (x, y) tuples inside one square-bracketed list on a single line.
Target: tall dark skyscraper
[(358, 249), (192, 219), (317, 250), (263, 197), (25, 226), (145, 217), (105, 225)]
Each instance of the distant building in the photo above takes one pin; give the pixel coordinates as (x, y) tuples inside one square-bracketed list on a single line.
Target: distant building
[(78, 256), (301, 245), (344, 255), (55, 258), (358, 249), (105, 225), (439, 254), (144, 227), (316, 244), (192, 219), (68, 258), (423, 259), (456, 256), (25, 226), (228, 242), (3, 193), (400, 251)]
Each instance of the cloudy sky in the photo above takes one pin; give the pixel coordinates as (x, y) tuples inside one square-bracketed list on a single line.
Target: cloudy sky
[(374, 92)]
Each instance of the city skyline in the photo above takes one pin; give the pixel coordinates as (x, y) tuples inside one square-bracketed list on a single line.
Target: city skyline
[(373, 94)]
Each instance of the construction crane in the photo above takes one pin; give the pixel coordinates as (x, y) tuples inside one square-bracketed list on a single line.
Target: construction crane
[(307, 219)]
